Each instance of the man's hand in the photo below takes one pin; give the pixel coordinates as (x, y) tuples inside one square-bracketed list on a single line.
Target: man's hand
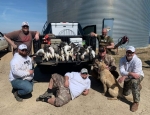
[(121, 79), (31, 72), (93, 34), (85, 92), (107, 67), (66, 83), (37, 36), (1, 34)]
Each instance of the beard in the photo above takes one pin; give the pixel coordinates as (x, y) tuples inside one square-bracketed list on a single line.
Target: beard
[(23, 54), (129, 58), (25, 32)]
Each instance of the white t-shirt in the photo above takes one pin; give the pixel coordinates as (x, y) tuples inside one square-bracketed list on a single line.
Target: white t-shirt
[(77, 84), (20, 67)]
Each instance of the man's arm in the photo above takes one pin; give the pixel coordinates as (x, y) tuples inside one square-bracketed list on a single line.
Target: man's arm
[(137, 68), (123, 72), (66, 81), (37, 35), (93, 34), (9, 40), (111, 46), (135, 75), (86, 91), (20, 73)]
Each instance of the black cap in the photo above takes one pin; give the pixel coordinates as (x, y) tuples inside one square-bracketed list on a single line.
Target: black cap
[(102, 49)]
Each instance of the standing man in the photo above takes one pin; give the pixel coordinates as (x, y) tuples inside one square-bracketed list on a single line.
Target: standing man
[(104, 40), (21, 73), (68, 87), (131, 74), (22, 36), (108, 60)]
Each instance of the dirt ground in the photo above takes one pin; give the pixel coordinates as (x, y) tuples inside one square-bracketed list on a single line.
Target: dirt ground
[(93, 104)]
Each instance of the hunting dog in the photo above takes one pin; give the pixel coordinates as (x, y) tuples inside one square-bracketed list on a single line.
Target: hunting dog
[(108, 80)]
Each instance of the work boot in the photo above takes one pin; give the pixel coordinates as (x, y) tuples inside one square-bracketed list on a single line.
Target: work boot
[(18, 98), (134, 106), (46, 94), (45, 99)]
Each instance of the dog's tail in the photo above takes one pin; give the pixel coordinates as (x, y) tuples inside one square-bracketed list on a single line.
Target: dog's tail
[(114, 92)]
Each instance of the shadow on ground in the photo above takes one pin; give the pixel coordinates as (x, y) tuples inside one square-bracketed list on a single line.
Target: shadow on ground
[(148, 63), (42, 73), (97, 86), (2, 53)]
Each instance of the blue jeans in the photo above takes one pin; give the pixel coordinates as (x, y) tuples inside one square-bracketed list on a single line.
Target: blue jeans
[(22, 86)]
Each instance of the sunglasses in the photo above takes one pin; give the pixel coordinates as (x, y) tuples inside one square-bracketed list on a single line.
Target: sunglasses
[(85, 73), (25, 26), (101, 51), (24, 50), (129, 52)]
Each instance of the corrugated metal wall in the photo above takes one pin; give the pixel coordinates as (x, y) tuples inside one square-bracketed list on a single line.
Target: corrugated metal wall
[(131, 17)]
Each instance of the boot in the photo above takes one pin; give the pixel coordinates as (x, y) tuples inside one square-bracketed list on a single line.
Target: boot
[(46, 94), (134, 106), (18, 98)]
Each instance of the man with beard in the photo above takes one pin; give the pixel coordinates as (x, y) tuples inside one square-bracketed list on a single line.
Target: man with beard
[(104, 40), (131, 74), (108, 60), (21, 73), (68, 87), (22, 36)]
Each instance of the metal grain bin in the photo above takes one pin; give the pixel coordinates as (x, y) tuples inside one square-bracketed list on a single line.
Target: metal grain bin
[(131, 17)]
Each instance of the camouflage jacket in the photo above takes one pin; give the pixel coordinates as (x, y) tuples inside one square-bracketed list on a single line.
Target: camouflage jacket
[(108, 60)]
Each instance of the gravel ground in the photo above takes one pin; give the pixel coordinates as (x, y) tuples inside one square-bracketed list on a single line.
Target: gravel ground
[(93, 104)]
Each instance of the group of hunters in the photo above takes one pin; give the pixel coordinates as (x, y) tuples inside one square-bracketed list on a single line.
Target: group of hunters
[(63, 88)]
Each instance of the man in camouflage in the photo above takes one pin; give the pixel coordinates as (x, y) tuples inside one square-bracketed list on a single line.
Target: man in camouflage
[(108, 60), (67, 88), (104, 40), (131, 74)]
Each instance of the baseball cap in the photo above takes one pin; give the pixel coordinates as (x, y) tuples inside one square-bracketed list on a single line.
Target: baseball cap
[(25, 24), (102, 49), (22, 46), (131, 48), (84, 70)]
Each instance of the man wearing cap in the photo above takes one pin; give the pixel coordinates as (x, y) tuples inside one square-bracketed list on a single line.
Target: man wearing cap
[(104, 40), (68, 87), (22, 36), (131, 74), (21, 73), (108, 60)]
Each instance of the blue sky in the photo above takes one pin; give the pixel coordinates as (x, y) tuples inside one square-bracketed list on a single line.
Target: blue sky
[(14, 12)]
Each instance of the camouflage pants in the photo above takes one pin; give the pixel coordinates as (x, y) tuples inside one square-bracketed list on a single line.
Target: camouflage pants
[(132, 85), (63, 95)]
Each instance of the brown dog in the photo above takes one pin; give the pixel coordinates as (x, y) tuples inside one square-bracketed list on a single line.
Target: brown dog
[(108, 80)]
